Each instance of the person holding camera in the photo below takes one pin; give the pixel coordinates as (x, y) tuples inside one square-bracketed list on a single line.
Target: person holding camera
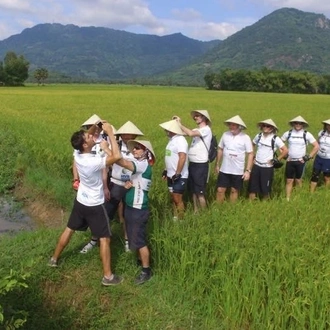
[(88, 209), (297, 139), (322, 159), (118, 178), (198, 155), (266, 143), (176, 165), (233, 147)]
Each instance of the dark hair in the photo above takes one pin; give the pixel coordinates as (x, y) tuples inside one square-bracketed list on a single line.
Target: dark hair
[(78, 139)]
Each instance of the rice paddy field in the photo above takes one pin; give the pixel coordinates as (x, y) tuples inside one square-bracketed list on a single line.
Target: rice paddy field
[(249, 265)]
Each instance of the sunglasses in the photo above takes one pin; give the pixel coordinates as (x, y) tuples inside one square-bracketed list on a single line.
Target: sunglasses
[(298, 123), (265, 125)]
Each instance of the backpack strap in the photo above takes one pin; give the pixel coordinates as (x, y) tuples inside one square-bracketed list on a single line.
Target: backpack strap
[(304, 136), (204, 144)]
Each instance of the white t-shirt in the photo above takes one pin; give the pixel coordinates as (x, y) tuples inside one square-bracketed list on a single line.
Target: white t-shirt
[(296, 143), (265, 153), (89, 166), (324, 141), (198, 152), (234, 148), (176, 144), (120, 175)]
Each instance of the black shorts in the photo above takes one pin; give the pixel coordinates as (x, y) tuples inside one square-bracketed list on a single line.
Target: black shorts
[(136, 227), (322, 165), (177, 187), (94, 217), (261, 180), (294, 169), (197, 179), (117, 194), (226, 180)]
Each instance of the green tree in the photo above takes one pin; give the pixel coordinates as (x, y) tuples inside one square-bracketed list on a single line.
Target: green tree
[(41, 74), (16, 69)]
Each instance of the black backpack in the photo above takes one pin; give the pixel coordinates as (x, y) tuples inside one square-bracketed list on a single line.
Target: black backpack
[(213, 151)]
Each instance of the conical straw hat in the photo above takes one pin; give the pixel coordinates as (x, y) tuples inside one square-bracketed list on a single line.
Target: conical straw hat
[(236, 120), (268, 122), (326, 122), (299, 119), (173, 127), (129, 128), (92, 120), (144, 143), (205, 113)]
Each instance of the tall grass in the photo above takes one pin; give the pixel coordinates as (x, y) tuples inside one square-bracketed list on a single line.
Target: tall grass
[(252, 265)]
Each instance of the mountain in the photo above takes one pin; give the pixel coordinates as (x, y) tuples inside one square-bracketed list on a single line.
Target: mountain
[(287, 39), (102, 53)]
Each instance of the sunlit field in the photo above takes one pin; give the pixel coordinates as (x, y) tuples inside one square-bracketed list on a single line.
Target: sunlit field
[(252, 265)]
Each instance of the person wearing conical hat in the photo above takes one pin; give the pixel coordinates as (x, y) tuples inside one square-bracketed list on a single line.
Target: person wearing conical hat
[(322, 159), (89, 125), (176, 165), (137, 202), (266, 143), (198, 155), (118, 177), (88, 209), (297, 139), (233, 148)]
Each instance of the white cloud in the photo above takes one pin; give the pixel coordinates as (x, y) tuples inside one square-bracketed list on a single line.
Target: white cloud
[(186, 14)]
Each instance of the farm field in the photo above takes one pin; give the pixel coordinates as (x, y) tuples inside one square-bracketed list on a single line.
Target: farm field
[(252, 265)]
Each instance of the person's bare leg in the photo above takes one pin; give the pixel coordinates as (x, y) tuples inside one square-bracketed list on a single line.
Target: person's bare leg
[(233, 195), (312, 186), (202, 201), (288, 188), (252, 196), (327, 181), (145, 256), (221, 192), (105, 255), (62, 242), (195, 202), (178, 205)]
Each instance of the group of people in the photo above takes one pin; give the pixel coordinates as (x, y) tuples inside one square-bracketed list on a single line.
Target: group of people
[(255, 161), (112, 173)]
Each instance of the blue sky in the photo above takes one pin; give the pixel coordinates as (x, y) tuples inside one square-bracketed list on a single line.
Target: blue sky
[(198, 19)]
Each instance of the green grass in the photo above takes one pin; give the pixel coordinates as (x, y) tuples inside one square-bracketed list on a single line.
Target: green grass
[(253, 265)]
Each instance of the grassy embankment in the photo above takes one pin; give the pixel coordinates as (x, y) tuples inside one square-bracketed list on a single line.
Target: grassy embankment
[(261, 265)]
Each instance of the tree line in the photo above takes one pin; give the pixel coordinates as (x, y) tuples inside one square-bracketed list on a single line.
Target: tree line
[(14, 71), (267, 80)]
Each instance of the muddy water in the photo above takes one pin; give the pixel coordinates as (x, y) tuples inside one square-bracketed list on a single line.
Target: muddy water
[(12, 218)]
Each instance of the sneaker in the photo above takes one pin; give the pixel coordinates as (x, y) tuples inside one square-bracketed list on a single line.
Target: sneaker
[(127, 246), (114, 281), (87, 247), (142, 278), (52, 263)]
